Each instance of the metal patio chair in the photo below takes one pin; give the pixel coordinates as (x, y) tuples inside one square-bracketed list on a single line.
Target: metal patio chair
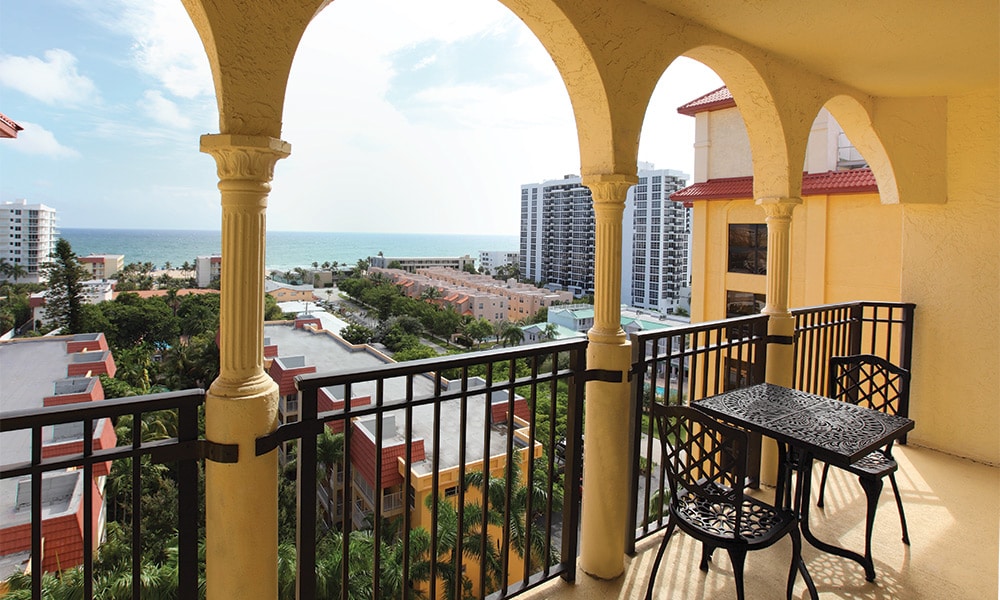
[(872, 382), (706, 464)]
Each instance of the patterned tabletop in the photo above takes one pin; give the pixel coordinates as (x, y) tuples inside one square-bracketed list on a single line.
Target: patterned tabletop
[(833, 431)]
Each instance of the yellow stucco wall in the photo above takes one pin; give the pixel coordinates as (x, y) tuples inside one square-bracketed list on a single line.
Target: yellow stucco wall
[(844, 247), (950, 270)]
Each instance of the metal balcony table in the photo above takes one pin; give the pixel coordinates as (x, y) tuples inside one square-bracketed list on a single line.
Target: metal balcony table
[(807, 426)]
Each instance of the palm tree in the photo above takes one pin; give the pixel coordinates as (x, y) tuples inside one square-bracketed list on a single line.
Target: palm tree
[(511, 334), (517, 519)]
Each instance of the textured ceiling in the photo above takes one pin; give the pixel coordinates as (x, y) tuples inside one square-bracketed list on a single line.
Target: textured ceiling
[(883, 47)]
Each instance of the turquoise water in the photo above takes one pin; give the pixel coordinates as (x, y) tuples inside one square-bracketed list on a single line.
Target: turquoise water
[(285, 249)]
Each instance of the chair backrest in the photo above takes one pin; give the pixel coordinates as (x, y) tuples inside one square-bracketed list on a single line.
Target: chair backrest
[(870, 381), (702, 456)]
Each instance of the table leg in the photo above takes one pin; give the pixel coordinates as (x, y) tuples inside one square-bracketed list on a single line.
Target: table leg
[(802, 509)]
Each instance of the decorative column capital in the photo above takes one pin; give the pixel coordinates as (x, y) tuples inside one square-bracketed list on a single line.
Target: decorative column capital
[(245, 157), (780, 208), (610, 188)]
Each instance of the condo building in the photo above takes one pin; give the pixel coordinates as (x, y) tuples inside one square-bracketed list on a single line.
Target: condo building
[(557, 238), (28, 237), (491, 260)]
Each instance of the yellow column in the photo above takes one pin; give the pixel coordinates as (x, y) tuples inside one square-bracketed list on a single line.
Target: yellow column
[(780, 323), (241, 501), (605, 462)]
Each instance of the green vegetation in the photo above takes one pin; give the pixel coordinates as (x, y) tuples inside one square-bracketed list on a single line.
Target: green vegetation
[(63, 304)]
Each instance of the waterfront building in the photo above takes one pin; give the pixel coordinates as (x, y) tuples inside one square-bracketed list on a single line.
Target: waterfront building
[(28, 237), (207, 269), (411, 264), (491, 260), (52, 371), (847, 243), (102, 266), (558, 241)]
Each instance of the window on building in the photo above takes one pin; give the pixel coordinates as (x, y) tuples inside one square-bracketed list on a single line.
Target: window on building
[(748, 248)]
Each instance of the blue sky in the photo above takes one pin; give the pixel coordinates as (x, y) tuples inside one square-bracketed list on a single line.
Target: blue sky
[(402, 115)]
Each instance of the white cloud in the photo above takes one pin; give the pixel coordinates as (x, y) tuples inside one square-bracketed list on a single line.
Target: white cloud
[(163, 110), (166, 45), (37, 140), (53, 80)]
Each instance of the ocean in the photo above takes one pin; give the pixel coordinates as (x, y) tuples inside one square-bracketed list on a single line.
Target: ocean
[(285, 249)]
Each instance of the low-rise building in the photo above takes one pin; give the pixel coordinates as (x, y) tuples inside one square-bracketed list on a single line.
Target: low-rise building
[(523, 299), (286, 292), (67, 366), (102, 266), (411, 264), (310, 349)]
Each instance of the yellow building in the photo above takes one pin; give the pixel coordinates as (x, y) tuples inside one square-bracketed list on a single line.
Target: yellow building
[(845, 243)]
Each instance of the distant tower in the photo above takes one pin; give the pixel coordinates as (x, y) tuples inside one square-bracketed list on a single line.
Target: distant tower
[(557, 238), (28, 237)]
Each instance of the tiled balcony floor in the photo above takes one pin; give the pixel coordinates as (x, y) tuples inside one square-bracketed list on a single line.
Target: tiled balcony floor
[(952, 510)]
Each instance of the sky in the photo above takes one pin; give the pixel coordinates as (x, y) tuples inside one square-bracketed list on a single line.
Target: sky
[(403, 116)]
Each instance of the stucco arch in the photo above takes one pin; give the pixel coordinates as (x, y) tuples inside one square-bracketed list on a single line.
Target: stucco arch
[(250, 47), (856, 122), (607, 142), (777, 152)]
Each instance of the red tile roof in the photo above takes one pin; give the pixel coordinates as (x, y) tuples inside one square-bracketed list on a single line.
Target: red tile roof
[(854, 181), (714, 100), (8, 128)]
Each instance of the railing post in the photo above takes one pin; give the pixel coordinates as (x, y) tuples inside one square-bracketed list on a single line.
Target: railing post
[(241, 499), (606, 458)]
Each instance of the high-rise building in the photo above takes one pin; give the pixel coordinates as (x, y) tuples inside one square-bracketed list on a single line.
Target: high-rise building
[(28, 237), (557, 238), (655, 257), (557, 235)]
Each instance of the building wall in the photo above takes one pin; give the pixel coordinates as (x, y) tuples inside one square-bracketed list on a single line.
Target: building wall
[(844, 248), (951, 271), (729, 152)]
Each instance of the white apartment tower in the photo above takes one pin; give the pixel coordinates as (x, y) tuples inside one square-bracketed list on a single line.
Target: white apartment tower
[(28, 237), (655, 256), (557, 238), (557, 235)]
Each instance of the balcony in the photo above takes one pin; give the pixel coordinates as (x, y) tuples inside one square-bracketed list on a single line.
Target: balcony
[(950, 502)]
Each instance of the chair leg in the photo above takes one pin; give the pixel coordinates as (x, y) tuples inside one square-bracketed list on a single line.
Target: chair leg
[(873, 488), (899, 505), (738, 557), (706, 555), (659, 557), (822, 484)]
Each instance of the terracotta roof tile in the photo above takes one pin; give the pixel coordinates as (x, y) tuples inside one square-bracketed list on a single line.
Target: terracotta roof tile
[(714, 100), (813, 184)]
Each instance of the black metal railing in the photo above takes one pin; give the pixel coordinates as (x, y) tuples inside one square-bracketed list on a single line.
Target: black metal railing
[(679, 366), (447, 434), (184, 451), (884, 329)]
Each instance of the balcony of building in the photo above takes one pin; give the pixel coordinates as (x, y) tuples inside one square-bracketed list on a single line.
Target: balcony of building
[(916, 89)]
